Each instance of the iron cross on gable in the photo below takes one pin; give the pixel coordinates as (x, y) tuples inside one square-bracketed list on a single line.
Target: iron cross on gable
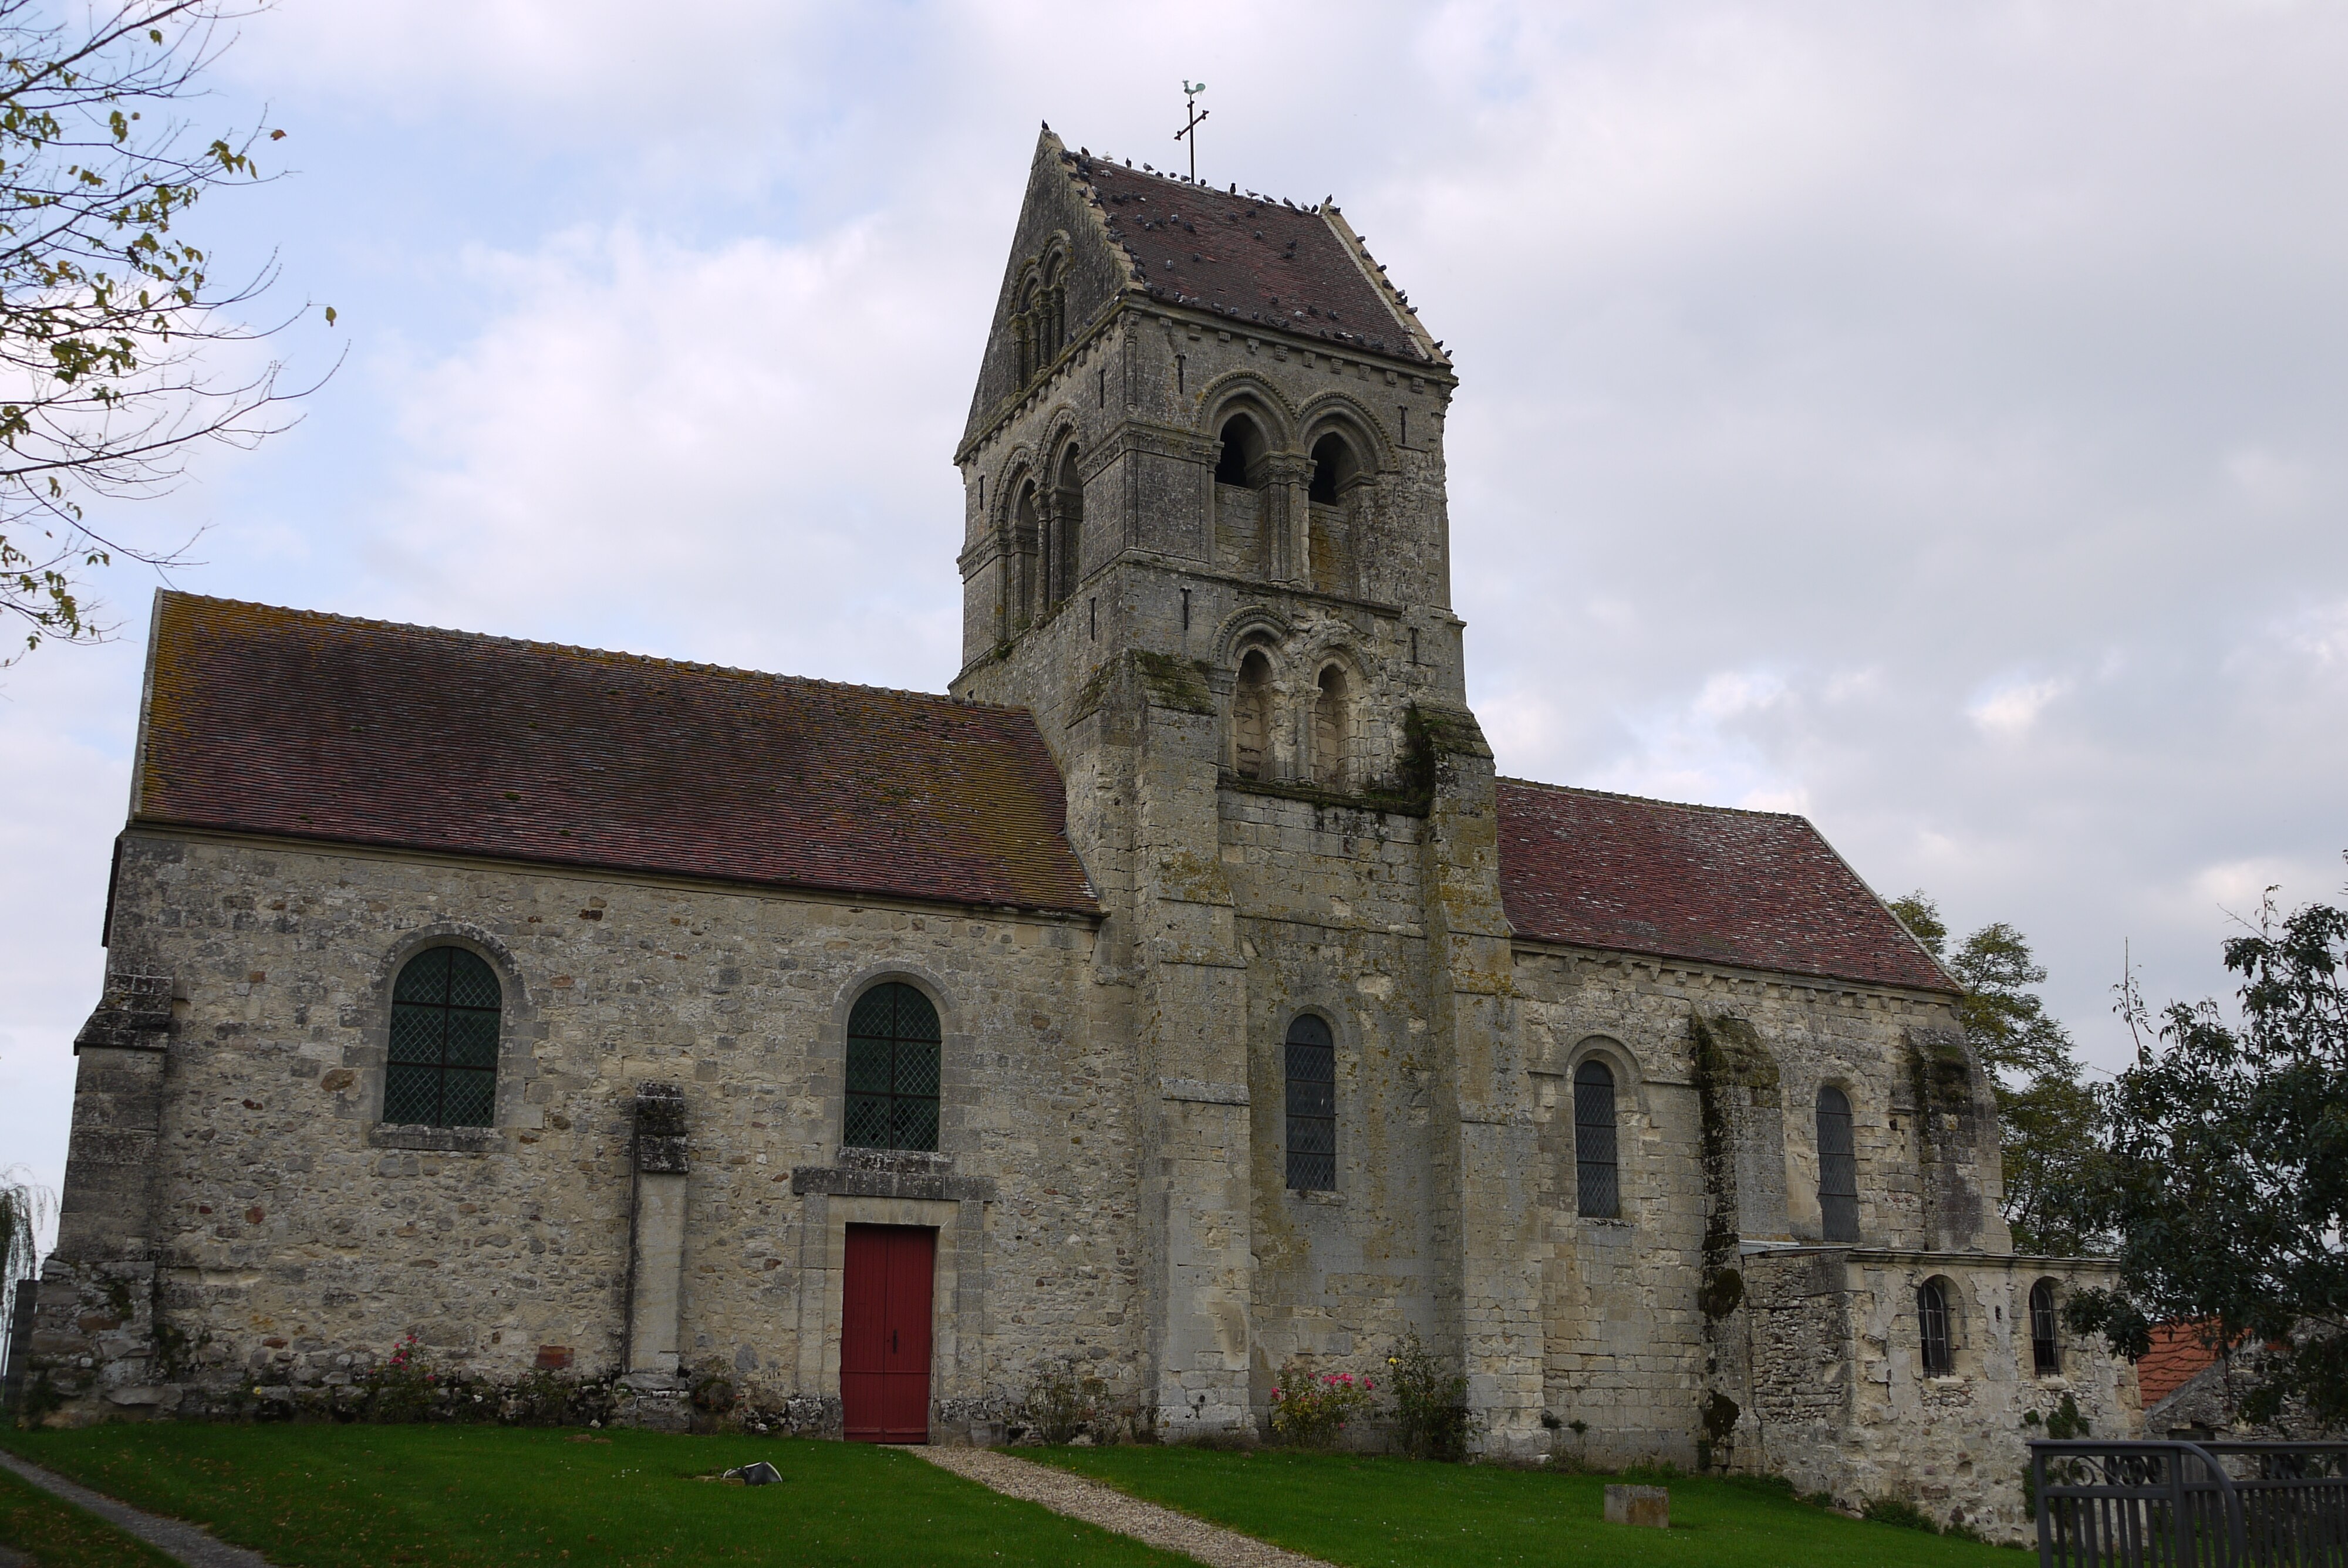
[(1190, 91)]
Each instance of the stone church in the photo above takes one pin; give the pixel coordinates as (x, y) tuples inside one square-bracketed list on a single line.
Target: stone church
[(1182, 992)]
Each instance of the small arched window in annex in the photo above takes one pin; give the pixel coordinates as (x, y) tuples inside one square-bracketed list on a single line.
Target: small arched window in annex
[(442, 1068), (1311, 1053), (1251, 717), (1933, 1327), (1597, 1171), (893, 1043), (1838, 1167), (1068, 527), (1333, 730), (2045, 1344)]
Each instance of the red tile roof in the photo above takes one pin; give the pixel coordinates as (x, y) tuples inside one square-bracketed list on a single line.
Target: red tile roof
[(318, 726), (1755, 889), (1249, 257), (2177, 1355)]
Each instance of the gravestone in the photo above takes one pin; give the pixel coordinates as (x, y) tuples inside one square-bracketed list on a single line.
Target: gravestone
[(1648, 1505)]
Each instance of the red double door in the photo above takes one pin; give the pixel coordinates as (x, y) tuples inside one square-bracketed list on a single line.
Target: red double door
[(884, 1337)]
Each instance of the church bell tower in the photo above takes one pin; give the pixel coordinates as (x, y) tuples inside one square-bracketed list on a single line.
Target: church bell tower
[(1207, 546)]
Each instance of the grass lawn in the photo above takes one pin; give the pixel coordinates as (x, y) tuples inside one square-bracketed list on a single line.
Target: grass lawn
[(49, 1530), (1371, 1512), (369, 1497)]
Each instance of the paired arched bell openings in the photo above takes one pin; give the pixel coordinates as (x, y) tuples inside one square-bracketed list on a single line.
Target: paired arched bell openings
[(1039, 314), (1255, 709), (1248, 514), (1337, 471), (1837, 1165), (1599, 1074), (1042, 537)]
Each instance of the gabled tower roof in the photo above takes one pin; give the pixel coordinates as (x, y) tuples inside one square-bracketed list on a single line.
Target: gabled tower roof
[(1261, 261)]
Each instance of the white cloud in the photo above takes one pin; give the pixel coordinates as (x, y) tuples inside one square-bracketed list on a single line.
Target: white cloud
[(2008, 712)]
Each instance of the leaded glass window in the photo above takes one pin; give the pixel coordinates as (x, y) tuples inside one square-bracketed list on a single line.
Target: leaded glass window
[(893, 1070), (1597, 1178), (1312, 1053), (443, 1065), (2045, 1348), (1838, 1167), (1932, 1328)]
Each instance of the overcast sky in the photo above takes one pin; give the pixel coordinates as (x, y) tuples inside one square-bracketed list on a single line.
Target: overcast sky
[(1923, 418)]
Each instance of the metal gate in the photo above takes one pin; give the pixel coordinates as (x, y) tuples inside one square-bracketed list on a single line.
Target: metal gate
[(2190, 1505)]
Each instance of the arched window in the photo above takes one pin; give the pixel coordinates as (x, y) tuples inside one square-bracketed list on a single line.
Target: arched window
[(1598, 1186), (1932, 1327), (1333, 731), (1243, 445), (1251, 717), (1068, 523), (893, 1070), (1022, 329), (1334, 468), (2045, 1347), (442, 1069), (1838, 1167), (1312, 1053)]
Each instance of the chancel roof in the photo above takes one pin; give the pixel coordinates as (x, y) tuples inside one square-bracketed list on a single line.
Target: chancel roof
[(1253, 257), (307, 725), (1759, 890)]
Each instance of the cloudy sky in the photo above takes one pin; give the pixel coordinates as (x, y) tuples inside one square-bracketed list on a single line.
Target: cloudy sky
[(1923, 418)]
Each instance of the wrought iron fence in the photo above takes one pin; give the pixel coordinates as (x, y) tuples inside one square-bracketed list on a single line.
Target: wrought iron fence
[(2190, 1505)]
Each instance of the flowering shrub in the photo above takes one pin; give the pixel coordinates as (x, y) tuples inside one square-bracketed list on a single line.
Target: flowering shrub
[(1310, 1411)]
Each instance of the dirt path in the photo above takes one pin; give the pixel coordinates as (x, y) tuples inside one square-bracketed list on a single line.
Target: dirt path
[(173, 1537), (1110, 1509)]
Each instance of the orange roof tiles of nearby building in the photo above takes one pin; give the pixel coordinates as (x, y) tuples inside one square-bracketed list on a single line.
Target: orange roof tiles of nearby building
[(2178, 1355), (1255, 258), (308, 725), (1760, 890)]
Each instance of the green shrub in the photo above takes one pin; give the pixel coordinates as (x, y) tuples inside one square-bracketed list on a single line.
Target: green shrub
[(1431, 1416), (1898, 1511), (1061, 1401)]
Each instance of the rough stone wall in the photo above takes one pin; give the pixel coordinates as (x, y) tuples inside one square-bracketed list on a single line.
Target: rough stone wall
[(1844, 1320), (294, 1238)]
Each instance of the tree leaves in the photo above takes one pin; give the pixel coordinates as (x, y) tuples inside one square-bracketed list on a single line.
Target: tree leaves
[(2227, 1170), (105, 310)]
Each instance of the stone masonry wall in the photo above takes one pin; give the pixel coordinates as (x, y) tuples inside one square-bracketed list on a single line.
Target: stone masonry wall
[(297, 1239)]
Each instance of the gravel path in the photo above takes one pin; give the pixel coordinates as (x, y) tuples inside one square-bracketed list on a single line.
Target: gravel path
[(174, 1538), (1093, 1503)]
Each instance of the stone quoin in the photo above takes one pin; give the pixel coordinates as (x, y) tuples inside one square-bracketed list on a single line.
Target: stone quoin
[(1184, 993)]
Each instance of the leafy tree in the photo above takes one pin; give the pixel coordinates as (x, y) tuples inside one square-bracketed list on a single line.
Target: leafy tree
[(2050, 1117), (106, 307), (2227, 1173)]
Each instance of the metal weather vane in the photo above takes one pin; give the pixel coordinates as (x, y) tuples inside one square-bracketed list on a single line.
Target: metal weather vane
[(1190, 91)]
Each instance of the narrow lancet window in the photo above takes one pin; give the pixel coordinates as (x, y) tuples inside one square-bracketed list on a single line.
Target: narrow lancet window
[(1838, 1167), (1932, 1327), (1598, 1186), (1312, 1065), (2045, 1347)]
